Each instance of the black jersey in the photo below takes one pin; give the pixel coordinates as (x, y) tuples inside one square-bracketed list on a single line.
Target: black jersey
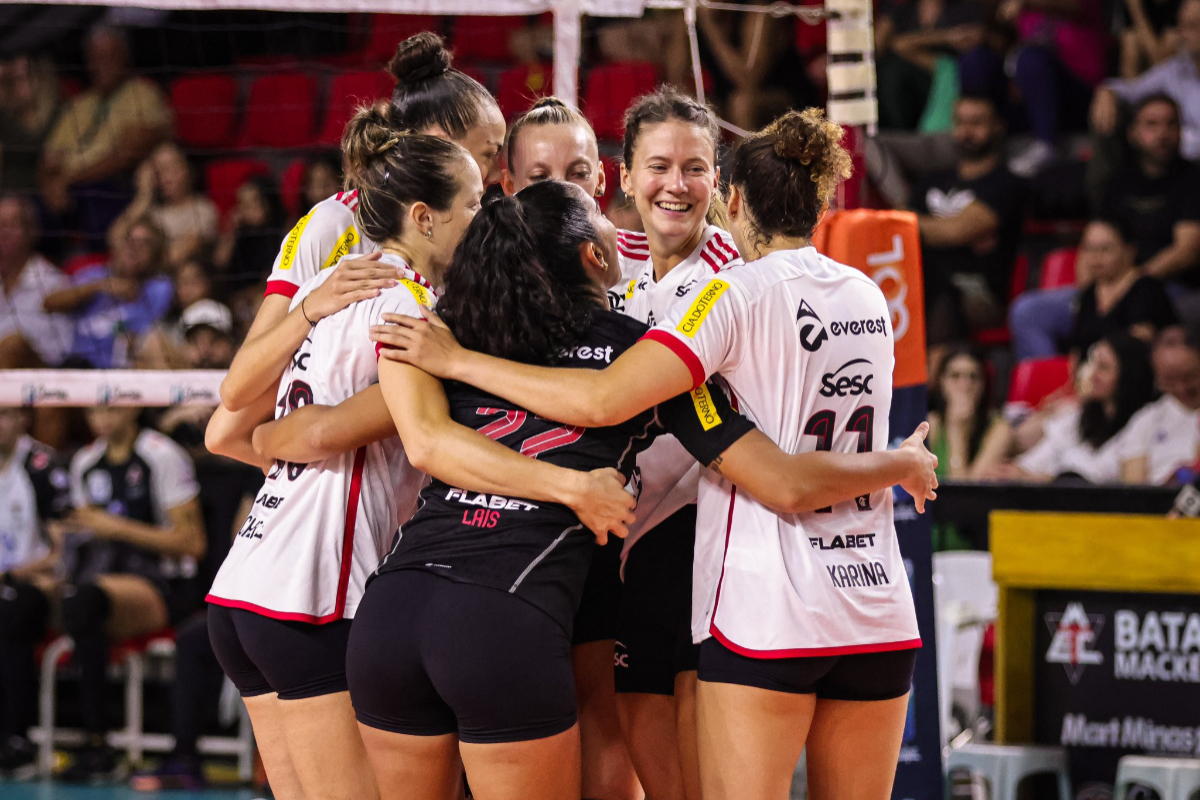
[(541, 551), (157, 477), (33, 488)]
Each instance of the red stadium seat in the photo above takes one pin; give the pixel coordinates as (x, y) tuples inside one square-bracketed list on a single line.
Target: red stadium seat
[(347, 92), (389, 30), (224, 177), (1001, 335), (291, 188), (280, 111), (205, 110), (521, 85), (83, 261), (1058, 269), (610, 90), (1037, 378), (484, 38)]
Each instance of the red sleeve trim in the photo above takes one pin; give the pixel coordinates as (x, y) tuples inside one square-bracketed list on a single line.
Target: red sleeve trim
[(285, 288), (813, 652), (680, 349)]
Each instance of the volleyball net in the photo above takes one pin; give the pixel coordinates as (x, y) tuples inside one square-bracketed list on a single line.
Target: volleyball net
[(255, 93)]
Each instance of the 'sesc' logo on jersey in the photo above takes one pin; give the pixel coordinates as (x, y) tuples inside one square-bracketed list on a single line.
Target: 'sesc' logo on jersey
[(1074, 639), (812, 334)]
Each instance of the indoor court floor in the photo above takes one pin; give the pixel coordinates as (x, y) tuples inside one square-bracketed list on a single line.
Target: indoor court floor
[(46, 790)]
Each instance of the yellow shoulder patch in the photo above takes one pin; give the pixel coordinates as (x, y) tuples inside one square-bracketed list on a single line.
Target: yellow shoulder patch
[(695, 315), (418, 291), (629, 291), (348, 239), (706, 409), (291, 245)]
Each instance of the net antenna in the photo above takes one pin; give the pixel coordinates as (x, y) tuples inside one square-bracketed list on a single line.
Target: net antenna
[(851, 67)]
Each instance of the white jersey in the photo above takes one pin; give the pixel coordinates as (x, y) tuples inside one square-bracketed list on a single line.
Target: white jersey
[(317, 531), (1167, 434), (669, 475), (806, 346), (322, 237)]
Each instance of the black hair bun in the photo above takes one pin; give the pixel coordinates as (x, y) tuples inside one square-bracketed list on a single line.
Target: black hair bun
[(419, 58)]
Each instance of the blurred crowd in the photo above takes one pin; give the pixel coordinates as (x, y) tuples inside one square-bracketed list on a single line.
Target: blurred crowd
[(1009, 128)]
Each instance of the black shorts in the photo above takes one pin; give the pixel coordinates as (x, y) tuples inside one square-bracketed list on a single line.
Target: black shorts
[(293, 659), (431, 656), (596, 619), (860, 676), (654, 636)]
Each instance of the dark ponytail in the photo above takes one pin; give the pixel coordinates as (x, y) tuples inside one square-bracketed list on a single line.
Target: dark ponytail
[(516, 287), (429, 93)]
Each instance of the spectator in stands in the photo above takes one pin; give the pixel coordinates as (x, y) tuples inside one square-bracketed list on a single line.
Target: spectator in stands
[(970, 220), (116, 303), (1060, 56), (162, 347), (1158, 193), (35, 489), (227, 489), (1161, 445), (1081, 440), (165, 192), (963, 424), (29, 337), (916, 40), (1119, 296), (100, 137), (29, 104), (1111, 294), (756, 71), (1177, 77), (1149, 36), (248, 246), (322, 178)]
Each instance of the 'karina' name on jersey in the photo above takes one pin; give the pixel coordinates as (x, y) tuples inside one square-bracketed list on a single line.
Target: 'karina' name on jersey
[(857, 576)]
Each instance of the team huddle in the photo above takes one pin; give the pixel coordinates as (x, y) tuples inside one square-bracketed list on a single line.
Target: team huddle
[(577, 512)]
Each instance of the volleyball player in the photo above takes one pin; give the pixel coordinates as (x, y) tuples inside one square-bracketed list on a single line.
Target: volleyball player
[(552, 141), (285, 595), (430, 98), (807, 620)]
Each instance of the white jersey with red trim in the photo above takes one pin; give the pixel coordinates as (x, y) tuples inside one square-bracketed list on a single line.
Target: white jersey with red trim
[(321, 238), (806, 346), (317, 531), (669, 475)]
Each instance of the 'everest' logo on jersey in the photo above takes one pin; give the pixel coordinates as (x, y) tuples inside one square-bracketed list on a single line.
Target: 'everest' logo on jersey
[(812, 334), (1074, 639), (695, 315), (859, 327), (291, 244), (834, 384), (706, 410)]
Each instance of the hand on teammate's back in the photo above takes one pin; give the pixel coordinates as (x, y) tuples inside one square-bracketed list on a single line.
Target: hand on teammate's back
[(922, 477), (359, 279), (424, 343)]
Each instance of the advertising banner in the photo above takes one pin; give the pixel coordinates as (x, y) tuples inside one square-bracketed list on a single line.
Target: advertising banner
[(1116, 674)]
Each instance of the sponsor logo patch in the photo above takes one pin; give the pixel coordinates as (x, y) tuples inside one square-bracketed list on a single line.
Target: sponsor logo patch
[(292, 243), (706, 410), (348, 239), (418, 291), (695, 315)]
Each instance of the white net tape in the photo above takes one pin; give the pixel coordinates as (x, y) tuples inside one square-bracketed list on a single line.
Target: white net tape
[(67, 387)]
